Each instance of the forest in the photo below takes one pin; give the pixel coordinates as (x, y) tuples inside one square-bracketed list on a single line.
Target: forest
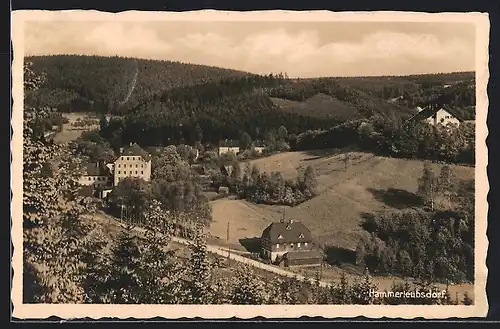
[(160, 103), (434, 242), (390, 136)]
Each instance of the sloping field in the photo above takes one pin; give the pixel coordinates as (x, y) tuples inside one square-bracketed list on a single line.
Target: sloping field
[(370, 184), (319, 105), (69, 133)]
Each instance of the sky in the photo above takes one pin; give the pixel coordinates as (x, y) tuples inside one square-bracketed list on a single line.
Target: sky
[(300, 49)]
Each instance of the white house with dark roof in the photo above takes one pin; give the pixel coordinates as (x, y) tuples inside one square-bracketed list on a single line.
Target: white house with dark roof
[(133, 161), (228, 145), (95, 174), (291, 241), (435, 116)]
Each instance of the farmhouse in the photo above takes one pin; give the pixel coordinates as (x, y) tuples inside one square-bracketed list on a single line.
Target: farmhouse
[(227, 145), (95, 174), (132, 162), (437, 116), (258, 147), (290, 241)]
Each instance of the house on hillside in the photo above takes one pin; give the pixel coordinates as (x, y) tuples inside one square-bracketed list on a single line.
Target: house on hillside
[(291, 242), (133, 161), (95, 174), (228, 145), (437, 116), (258, 146)]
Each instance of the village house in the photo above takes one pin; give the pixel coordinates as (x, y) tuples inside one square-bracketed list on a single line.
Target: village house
[(437, 116), (133, 161), (258, 147), (290, 241), (228, 145), (95, 174)]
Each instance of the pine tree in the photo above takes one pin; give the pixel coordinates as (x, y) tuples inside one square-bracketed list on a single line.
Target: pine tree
[(427, 186), (282, 133), (342, 292), (248, 289), (446, 183), (199, 273), (467, 300), (245, 141), (362, 291)]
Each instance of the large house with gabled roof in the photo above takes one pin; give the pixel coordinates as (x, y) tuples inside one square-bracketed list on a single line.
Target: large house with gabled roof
[(290, 241), (133, 161)]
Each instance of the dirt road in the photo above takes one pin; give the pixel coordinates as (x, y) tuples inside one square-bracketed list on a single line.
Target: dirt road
[(224, 252)]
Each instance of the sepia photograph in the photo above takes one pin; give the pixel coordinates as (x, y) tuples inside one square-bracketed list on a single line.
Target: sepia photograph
[(272, 163)]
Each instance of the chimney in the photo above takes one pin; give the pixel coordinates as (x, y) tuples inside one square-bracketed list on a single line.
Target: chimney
[(121, 150)]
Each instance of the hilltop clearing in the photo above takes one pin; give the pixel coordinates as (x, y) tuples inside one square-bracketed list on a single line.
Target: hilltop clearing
[(321, 106)]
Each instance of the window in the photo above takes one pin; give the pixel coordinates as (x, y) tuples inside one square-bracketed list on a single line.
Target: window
[(305, 244), (142, 172), (142, 166), (291, 245), (127, 158), (125, 165), (136, 165), (301, 236), (90, 178), (280, 236), (298, 245), (136, 172), (130, 172), (119, 172), (277, 246), (118, 165), (288, 227)]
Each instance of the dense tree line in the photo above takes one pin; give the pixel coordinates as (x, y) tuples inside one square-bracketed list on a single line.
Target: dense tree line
[(94, 83), (162, 103), (161, 124), (273, 189), (432, 244), (391, 136), (93, 147)]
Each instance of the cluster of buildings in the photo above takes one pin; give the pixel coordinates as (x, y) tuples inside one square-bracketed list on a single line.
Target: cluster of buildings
[(233, 146), (132, 161)]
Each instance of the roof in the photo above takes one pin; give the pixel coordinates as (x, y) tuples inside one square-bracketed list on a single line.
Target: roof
[(96, 169), (136, 150), (431, 110), (258, 144), (286, 232), (229, 143), (310, 254)]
